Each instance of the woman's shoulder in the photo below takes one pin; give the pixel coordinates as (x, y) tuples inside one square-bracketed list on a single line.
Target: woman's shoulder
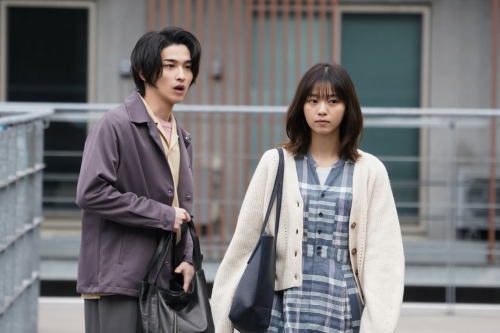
[(370, 162)]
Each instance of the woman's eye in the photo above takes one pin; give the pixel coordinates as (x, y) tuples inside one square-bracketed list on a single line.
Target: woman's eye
[(332, 101), (313, 100)]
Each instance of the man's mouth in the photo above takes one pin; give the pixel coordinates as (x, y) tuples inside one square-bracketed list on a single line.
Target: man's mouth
[(179, 89)]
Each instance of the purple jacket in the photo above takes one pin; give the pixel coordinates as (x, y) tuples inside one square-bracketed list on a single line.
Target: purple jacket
[(125, 190)]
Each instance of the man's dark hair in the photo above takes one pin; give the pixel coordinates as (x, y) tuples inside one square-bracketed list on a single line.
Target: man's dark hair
[(328, 77), (146, 56)]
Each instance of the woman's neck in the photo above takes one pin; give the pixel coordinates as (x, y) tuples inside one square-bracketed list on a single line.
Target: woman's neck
[(325, 149)]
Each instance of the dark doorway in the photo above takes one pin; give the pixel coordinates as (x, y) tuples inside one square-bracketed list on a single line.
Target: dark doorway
[(47, 57), (47, 54)]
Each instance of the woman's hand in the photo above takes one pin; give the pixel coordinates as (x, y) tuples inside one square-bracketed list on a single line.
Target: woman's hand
[(187, 271)]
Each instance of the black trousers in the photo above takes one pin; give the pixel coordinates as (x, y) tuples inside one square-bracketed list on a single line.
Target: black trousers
[(110, 314)]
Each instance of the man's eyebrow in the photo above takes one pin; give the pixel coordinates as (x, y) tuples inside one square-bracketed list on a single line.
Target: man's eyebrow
[(176, 61)]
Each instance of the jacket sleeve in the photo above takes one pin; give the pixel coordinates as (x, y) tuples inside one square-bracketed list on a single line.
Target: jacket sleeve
[(383, 273), (96, 191), (245, 238), (184, 249)]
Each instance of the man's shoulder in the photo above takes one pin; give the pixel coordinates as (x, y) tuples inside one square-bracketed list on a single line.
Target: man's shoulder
[(116, 116)]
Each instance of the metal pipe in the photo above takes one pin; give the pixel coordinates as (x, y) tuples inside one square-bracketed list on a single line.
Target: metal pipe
[(493, 134), (334, 12), (151, 15)]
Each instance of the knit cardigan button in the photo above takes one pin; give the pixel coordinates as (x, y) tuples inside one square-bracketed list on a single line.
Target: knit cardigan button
[(353, 225), (354, 251)]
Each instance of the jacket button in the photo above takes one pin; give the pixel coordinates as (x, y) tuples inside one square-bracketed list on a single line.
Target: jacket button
[(353, 225), (188, 197), (354, 251), (170, 191), (187, 138)]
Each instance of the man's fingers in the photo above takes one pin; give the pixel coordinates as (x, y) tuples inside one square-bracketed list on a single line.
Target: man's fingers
[(187, 282)]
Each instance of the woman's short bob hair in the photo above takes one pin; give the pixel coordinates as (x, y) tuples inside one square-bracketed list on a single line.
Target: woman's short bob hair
[(329, 78), (146, 56)]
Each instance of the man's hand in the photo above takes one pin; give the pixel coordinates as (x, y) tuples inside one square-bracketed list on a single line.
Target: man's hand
[(187, 271), (181, 216)]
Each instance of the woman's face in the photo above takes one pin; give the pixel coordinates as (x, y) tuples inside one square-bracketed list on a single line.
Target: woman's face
[(324, 111)]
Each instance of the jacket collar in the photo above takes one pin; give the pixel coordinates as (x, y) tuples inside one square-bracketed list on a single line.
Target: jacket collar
[(136, 110), (138, 114)]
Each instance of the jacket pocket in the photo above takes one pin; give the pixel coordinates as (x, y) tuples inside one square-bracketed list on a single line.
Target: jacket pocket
[(121, 253)]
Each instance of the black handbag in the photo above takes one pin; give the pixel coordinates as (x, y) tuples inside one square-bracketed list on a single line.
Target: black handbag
[(253, 299), (173, 310)]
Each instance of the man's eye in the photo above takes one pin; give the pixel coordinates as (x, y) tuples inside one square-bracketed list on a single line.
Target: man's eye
[(188, 67), (169, 66)]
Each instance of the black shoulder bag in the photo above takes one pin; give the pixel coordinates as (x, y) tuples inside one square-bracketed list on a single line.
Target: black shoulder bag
[(173, 310), (253, 298)]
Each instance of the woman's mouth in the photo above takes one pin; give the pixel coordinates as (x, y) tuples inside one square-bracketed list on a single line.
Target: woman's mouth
[(322, 122)]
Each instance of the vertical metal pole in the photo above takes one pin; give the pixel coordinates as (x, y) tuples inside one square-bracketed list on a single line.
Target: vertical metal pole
[(151, 15), (493, 135), (334, 17), (450, 292)]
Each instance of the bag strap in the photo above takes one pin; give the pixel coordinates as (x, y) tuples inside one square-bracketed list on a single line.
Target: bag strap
[(166, 247), (276, 194)]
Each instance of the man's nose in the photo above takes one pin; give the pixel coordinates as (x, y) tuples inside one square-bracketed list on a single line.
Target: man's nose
[(181, 76)]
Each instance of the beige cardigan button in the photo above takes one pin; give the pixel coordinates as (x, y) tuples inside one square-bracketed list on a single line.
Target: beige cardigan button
[(353, 225), (354, 251)]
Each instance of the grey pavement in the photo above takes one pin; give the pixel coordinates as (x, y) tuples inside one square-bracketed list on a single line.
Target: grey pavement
[(65, 315)]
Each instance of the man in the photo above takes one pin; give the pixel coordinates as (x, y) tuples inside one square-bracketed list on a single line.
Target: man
[(136, 183)]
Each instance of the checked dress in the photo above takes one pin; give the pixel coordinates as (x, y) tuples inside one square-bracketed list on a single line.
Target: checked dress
[(328, 299)]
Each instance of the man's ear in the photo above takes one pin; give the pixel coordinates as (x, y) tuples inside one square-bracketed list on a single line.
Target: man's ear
[(142, 76)]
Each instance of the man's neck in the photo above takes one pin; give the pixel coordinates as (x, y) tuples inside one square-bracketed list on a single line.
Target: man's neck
[(160, 108)]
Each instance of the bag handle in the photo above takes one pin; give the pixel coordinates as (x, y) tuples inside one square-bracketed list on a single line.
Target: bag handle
[(166, 247), (276, 194)]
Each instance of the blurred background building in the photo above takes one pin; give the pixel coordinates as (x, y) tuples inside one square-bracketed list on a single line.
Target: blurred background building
[(426, 73)]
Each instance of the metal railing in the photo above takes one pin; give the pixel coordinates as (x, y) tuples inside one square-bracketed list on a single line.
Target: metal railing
[(21, 165), (439, 162)]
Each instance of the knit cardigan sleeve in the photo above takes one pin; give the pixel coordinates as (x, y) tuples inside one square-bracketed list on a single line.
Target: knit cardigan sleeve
[(245, 238), (383, 274)]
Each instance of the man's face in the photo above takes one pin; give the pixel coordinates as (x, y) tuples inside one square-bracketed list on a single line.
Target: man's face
[(173, 83)]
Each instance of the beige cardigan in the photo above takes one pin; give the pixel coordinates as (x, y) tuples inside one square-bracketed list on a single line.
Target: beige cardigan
[(374, 241)]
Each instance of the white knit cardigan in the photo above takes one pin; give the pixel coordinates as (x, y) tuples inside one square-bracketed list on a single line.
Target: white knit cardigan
[(375, 244)]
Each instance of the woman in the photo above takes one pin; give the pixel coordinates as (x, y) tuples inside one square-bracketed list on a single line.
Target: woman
[(340, 262)]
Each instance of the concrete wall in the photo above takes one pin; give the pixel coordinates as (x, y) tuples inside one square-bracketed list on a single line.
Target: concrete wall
[(119, 24)]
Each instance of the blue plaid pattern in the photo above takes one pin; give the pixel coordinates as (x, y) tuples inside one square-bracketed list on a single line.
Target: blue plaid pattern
[(327, 300)]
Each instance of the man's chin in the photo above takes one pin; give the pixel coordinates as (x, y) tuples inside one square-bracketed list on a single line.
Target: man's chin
[(178, 99)]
